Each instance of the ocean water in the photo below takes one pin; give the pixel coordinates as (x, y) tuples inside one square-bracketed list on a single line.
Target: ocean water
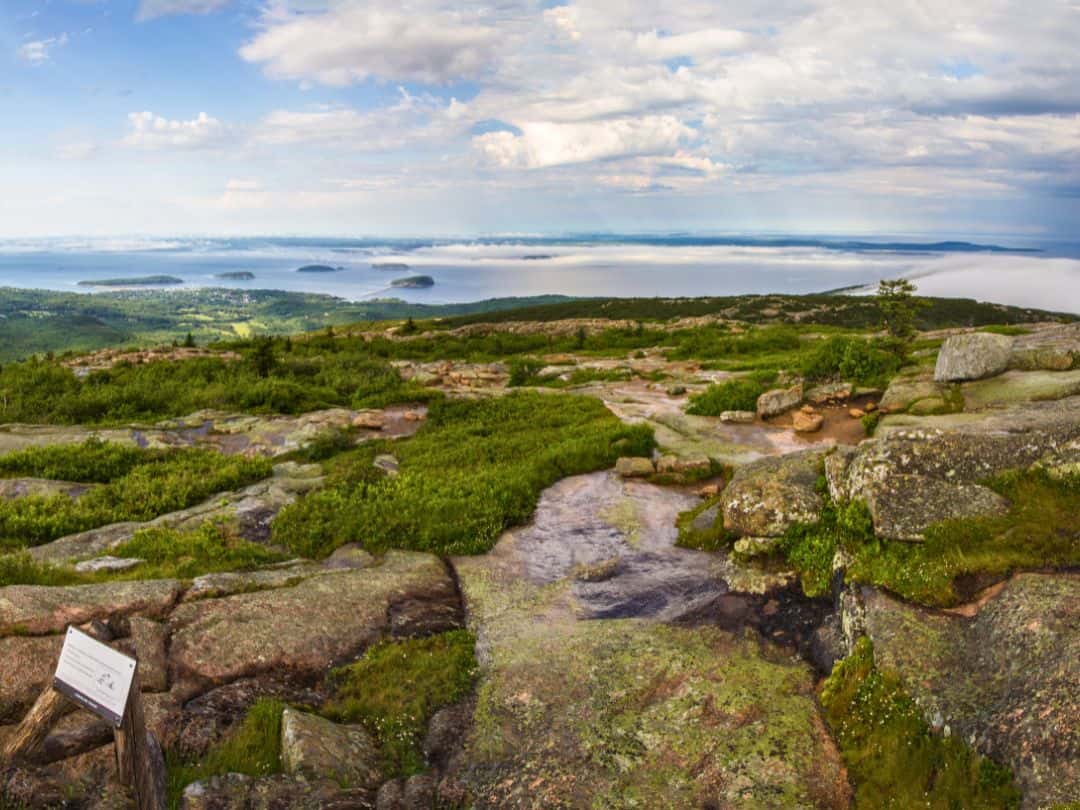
[(469, 270)]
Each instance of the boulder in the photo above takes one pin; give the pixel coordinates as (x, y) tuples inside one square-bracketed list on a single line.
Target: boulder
[(28, 666), (692, 464), (830, 392), (738, 417), (706, 519), (903, 506), (856, 413), (330, 618), (1004, 680), (315, 748), (107, 563), (634, 467), (778, 401), (804, 422), (38, 609), (149, 639), (1054, 349), (907, 389), (369, 420), (767, 496), (972, 356), (388, 464)]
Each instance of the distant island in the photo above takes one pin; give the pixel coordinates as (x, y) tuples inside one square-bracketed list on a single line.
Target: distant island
[(393, 266), (413, 282), (138, 281), (318, 268), (240, 275), (536, 257)]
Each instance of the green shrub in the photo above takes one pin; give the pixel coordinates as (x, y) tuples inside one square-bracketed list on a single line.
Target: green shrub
[(733, 395), (93, 461), (19, 568), (870, 422), (475, 468), (173, 481), (850, 359), (893, 757), (524, 371), (187, 554), (396, 688)]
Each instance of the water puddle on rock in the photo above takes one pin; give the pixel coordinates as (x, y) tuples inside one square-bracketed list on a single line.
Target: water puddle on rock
[(608, 546)]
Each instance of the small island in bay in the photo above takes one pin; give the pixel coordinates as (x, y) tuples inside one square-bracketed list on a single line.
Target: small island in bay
[(536, 257), (413, 282), (240, 275), (318, 268), (138, 281), (396, 267)]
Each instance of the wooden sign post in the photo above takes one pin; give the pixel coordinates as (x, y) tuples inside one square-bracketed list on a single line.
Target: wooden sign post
[(97, 677)]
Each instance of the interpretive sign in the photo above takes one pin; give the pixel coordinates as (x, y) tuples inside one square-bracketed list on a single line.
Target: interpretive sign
[(94, 675)]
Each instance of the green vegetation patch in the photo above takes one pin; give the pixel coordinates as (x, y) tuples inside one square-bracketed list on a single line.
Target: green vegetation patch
[(1039, 530), (733, 395), (396, 688), (274, 376), (168, 554), (476, 468), (92, 462), (173, 481), (869, 362), (893, 757), (252, 748), (705, 538)]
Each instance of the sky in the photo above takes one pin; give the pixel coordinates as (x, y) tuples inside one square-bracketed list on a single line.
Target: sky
[(428, 117)]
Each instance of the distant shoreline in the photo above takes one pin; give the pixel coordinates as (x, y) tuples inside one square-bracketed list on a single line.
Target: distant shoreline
[(137, 281)]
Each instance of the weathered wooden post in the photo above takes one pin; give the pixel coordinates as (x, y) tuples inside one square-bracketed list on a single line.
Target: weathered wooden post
[(97, 677)]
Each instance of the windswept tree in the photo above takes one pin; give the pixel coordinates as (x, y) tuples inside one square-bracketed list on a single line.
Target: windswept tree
[(898, 306)]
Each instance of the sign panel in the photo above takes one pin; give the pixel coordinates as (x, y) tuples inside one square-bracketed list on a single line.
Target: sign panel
[(94, 675)]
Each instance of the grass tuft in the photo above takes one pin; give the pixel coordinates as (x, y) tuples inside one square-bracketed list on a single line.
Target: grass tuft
[(252, 748), (894, 758), (396, 688)]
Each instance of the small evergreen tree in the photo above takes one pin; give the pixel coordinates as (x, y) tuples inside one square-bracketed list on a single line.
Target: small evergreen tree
[(898, 306), (263, 356), (189, 341)]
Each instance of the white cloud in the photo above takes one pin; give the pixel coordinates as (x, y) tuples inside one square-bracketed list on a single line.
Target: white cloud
[(77, 150), (38, 51), (352, 41), (151, 9), (705, 42), (543, 144), (153, 132)]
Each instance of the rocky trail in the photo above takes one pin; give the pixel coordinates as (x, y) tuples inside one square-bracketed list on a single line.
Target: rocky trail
[(617, 669)]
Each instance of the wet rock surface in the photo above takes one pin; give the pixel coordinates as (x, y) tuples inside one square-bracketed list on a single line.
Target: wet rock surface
[(589, 697)]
